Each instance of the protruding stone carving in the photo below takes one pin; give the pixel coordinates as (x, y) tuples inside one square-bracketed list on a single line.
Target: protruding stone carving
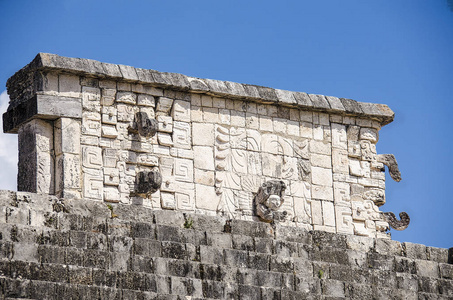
[(269, 199), (397, 224), (144, 126), (390, 161), (148, 182), (375, 195)]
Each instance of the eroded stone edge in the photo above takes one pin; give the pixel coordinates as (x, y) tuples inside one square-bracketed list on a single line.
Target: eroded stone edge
[(176, 81)]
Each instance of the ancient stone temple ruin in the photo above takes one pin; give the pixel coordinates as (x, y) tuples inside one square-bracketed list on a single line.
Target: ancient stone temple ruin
[(138, 184)]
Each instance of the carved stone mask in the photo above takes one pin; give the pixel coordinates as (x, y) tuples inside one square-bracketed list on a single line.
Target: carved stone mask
[(148, 182), (269, 199)]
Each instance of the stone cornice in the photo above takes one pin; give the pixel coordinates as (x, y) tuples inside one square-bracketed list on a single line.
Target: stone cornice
[(92, 68)]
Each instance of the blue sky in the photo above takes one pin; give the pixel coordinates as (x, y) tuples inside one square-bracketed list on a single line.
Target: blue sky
[(395, 52)]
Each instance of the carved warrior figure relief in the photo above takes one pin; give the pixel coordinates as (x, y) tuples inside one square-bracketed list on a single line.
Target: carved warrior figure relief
[(170, 141), (244, 158)]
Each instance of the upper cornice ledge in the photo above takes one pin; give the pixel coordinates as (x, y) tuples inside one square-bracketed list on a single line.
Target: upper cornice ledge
[(175, 81)]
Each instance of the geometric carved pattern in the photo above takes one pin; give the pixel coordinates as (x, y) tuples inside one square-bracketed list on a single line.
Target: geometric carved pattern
[(343, 217), (185, 197), (91, 123), (91, 157), (181, 135), (93, 184), (184, 170)]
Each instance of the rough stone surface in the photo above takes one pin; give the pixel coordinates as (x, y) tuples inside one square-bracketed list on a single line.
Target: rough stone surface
[(94, 131), (54, 248)]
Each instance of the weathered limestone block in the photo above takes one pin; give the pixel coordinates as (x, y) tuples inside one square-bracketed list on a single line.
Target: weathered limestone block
[(205, 197), (146, 100), (344, 221), (68, 175), (111, 176), (108, 95), (328, 213), (69, 85), (182, 135), (126, 113), (164, 139), (322, 192), (203, 134), (67, 136), (126, 97), (36, 161), (91, 99), (321, 176), (369, 134), (168, 200), (93, 184), (375, 195), (185, 197), (164, 105), (91, 157), (91, 123)]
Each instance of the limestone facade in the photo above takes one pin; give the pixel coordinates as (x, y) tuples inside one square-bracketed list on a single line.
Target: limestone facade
[(93, 130)]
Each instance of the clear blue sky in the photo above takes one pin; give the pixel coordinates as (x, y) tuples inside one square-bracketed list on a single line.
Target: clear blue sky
[(395, 52)]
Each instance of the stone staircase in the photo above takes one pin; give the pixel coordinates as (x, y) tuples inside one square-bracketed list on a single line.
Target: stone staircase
[(78, 249)]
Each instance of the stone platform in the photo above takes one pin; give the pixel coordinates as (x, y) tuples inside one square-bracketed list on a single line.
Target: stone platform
[(84, 249)]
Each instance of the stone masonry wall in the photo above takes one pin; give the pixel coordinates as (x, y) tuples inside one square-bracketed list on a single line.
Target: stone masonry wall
[(86, 131), (52, 248)]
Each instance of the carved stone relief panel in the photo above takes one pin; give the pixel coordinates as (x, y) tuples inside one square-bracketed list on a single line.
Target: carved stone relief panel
[(213, 155), (93, 185), (344, 221), (182, 135)]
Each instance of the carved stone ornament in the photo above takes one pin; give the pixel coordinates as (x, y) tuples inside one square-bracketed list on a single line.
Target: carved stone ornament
[(397, 224), (390, 161), (269, 199), (148, 182), (143, 125)]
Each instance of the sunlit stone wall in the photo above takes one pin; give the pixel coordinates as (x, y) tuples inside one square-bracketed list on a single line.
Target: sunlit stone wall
[(167, 141)]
